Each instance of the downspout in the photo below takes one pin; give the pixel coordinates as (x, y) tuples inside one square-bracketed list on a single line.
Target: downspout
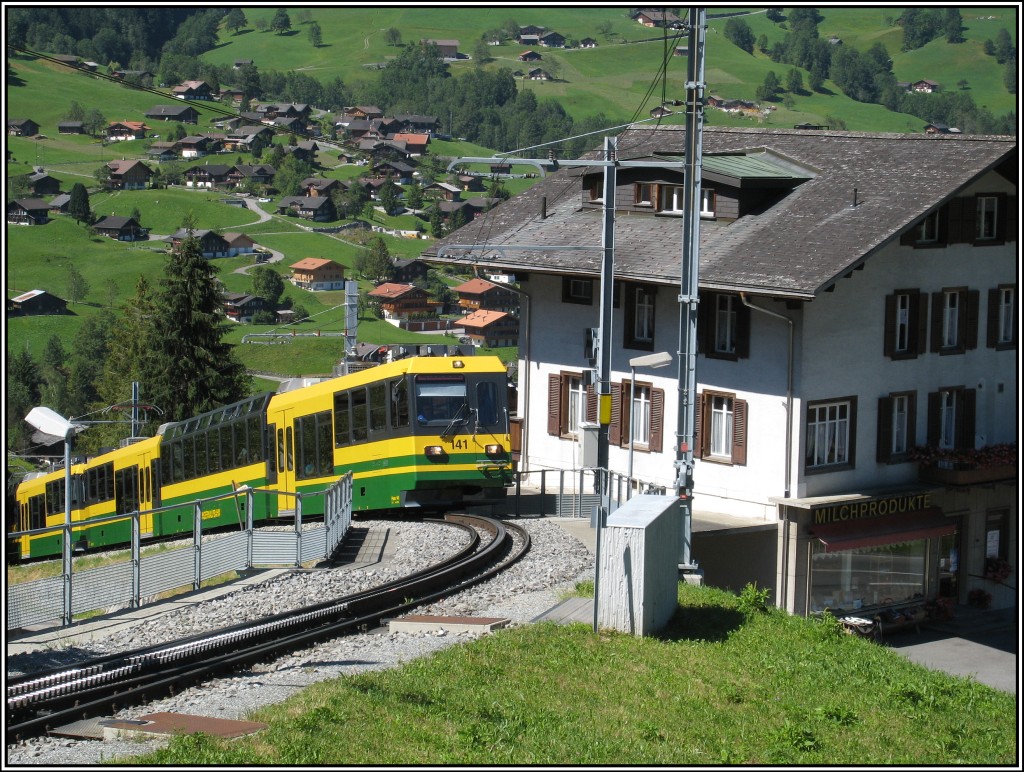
[(783, 590)]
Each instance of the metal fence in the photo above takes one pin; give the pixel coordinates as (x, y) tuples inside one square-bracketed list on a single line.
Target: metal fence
[(571, 492), (142, 577)]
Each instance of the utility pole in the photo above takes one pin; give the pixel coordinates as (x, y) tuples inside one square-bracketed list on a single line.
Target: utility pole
[(687, 381)]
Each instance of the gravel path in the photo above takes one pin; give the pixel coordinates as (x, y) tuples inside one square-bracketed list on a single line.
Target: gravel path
[(555, 562)]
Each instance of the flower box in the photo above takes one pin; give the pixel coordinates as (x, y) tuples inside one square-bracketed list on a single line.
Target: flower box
[(933, 474)]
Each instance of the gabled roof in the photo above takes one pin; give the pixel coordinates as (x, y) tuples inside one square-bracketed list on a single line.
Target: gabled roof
[(796, 248), (390, 290), (314, 263), (115, 222), (477, 286), (29, 204), (158, 111), (123, 166), (482, 318)]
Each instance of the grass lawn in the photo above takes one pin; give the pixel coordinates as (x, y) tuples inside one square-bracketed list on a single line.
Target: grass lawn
[(718, 687)]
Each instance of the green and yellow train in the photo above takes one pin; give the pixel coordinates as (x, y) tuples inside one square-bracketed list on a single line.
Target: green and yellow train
[(417, 432)]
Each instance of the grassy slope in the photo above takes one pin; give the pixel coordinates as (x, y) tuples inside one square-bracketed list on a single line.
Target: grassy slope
[(612, 79), (716, 688)]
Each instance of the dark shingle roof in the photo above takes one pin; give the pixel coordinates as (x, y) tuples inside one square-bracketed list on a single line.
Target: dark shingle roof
[(796, 248)]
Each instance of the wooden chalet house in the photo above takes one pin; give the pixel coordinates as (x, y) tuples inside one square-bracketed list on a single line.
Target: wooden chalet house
[(408, 270), (193, 89), (552, 40), (449, 49), (253, 138), (28, 211), (493, 329), (196, 146), (530, 56), (22, 127), (240, 307), (316, 208), (650, 17), (363, 112), (179, 113), (59, 203), (403, 301), (399, 171), (71, 127), (238, 243), (924, 86), (42, 184), (317, 273), (37, 302), (857, 390), (120, 228), (418, 124), (240, 174), (211, 243), (128, 175), (120, 131), (415, 144), (320, 187), (479, 294)]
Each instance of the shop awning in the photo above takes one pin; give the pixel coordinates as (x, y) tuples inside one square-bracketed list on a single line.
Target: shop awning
[(872, 532)]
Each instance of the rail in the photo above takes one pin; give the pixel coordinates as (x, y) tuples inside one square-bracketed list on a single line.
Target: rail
[(144, 576)]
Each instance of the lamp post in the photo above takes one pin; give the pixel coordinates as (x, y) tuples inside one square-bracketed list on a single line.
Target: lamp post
[(49, 422), (654, 361)]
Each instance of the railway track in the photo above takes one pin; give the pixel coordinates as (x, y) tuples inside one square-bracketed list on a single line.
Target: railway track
[(42, 701)]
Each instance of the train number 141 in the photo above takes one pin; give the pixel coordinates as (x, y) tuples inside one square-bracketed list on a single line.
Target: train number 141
[(460, 444)]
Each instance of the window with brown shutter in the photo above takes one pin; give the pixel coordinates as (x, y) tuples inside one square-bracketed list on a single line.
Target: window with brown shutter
[(954, 323), (897, 421), (1001, 327), (720, 419), (906, 320), (951, 417)]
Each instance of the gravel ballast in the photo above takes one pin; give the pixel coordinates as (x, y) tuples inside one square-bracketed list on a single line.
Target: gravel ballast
[(537, 582)]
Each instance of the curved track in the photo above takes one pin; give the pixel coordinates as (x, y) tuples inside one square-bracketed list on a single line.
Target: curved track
[(38, 702)]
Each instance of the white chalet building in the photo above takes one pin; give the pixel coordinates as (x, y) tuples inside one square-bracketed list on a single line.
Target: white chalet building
[(857, 394)]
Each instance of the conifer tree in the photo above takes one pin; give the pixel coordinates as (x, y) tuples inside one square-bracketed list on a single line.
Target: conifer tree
[(78, 203), (192, 370)]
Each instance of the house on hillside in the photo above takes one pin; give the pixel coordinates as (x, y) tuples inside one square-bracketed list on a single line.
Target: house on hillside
[(240, 307), (128, 175), (588, 43), (211, 243), (59, 203), (71, 127), (400, 302), (412, 123), (924, 86), (479, 294), (193, 89), (493, 329), (408, 270), (650, 17), (238, 243), (530, 56), (22, 127), (120, 131), (28, 211), (120, 228), (552, 40), (317, 273), (857, 395), (42, 184), (317, 187), (206, 176), (180, 113), (196, 146), (316, 208), (241, 174), (36, 302), (449, 49)]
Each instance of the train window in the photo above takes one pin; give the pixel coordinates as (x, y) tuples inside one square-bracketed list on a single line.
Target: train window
[(378, 407), (288, 447), (213, 440), (255, 439), (399, 404), (127, 487), (305, 446), (108, 481), (439, 398), (188, 458), (241, 444), (324, 444), (342, 422), (36, 513), (202, 462), (487, 403), (358, 415), (55, 497), (177, 461), (280, 450)]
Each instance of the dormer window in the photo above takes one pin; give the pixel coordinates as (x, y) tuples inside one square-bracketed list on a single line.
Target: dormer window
[(643, 194), (594, 189), (707, 202), (987, 218), (670, 199), (928, 229)]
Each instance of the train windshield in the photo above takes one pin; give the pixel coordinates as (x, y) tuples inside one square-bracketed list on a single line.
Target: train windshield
[(440, 399)]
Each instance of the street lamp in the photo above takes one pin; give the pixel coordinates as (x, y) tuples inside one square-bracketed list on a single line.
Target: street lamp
[(51, 423), (654, 361)]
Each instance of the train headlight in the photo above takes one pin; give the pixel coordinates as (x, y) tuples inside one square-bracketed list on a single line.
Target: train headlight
[(458, 364), (494, 450), (435, 453)]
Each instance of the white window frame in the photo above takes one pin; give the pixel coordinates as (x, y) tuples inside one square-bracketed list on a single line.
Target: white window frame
[(987, 218), (947, 419), (708, 202), (725, 323), (721, 426), (950, 318), (928, 229), (640, 425), (902, 342), (670, 199), (829, 434), (900, 427), (1006, 301), (643, 315), (576, 404)]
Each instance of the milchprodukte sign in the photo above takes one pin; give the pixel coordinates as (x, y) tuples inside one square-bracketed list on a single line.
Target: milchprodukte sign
[(880, 507)]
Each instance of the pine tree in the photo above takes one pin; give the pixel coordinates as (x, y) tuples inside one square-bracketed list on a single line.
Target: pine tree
[(192, 369), (78, 203)]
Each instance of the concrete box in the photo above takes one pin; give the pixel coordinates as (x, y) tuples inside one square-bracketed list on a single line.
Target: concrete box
[(639, 565)]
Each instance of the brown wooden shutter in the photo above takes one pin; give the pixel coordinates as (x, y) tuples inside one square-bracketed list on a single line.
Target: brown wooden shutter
[(965, 418), (889, 343), (918, 314), (555, 405), (591, 411), (698, 426), (1011, 216), (739, 432), (937, 300), (912, 420), (657, 420), (883, 452), (992, 322), (909, 237), (615, 434), (970, 219), (970, 339), (933, 418)]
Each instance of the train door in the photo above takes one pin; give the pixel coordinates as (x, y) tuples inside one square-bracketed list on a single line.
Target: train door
[(148, 487), (284, 457)]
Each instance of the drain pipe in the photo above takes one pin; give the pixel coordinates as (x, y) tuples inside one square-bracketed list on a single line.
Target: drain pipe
[(788, 475)]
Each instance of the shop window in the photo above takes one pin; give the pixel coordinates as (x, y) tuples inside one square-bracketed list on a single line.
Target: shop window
[(897, 419), (831, 430), (997, 535), (870, 576), (906, 317)]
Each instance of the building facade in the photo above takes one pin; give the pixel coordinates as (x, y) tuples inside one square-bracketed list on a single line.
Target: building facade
[(857, 352)]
